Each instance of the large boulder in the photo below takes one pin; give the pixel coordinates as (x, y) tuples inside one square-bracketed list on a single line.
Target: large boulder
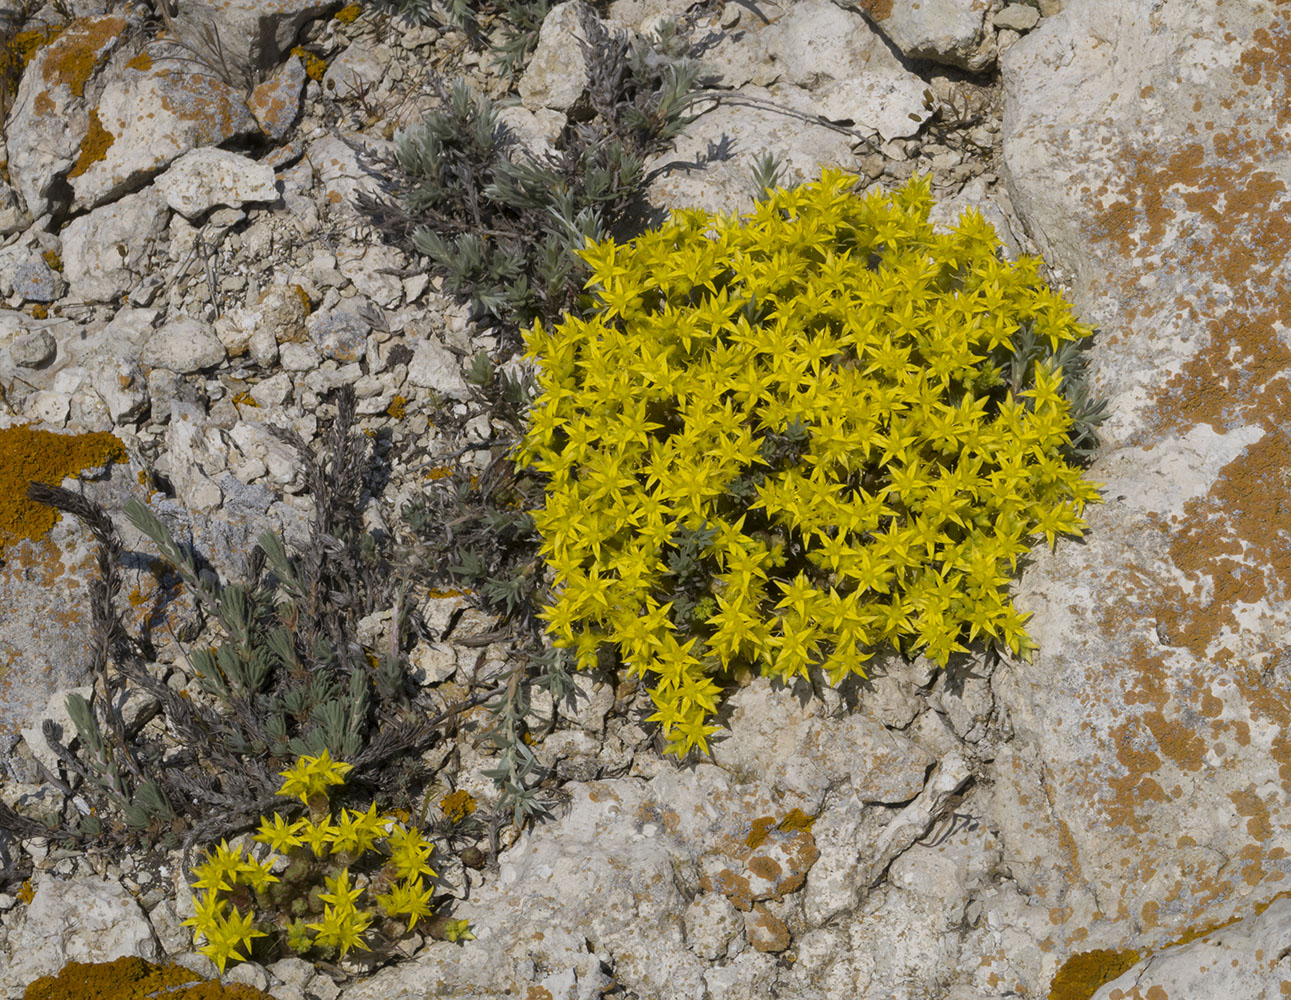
[(1144, 150)]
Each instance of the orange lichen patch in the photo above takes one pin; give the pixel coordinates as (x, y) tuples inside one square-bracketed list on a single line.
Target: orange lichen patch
[(1235, 535), (28, 455), (25, 892), (141, 62), (303, 296), (349, 13), (397, 408), (457, 806), (132, 978), (52, 260), (39, 310), (1191, 680), (24, 44), (94, 147), (759, 830), (766, 932), (1205, 930), (1249, 804), (732, 885), (878, 10), (796, 819), (652, 811), (78, 51), (314, 66), (214, 110), (1080, 977)]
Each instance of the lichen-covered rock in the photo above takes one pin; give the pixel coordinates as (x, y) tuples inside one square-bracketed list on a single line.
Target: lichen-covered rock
[(78, 920), (51, 118), (1155, 717), (132, 978)]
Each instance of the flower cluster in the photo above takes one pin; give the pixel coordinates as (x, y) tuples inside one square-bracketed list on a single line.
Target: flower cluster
[(846, 426), (354, 854)]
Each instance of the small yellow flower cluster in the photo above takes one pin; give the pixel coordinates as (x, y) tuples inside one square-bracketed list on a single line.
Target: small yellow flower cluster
[(228, 882), (923, 481)]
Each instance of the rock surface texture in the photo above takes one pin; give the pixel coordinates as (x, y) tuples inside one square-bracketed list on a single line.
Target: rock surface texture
[(182, 265)]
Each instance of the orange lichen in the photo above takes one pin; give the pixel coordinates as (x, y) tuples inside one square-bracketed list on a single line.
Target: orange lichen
[(43, 456), (25, 43), (143, 61), (132, 978), (457, 806), (1081, 976), (77, 52), (397, 408), (349, 13), (314, 66), (40, 311), (94, 146), (759, 830), (26, 893), (796, 819), (303, 296), (245, 399), (52, 260)]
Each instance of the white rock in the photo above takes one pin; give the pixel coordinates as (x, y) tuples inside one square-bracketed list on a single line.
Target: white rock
[(556, 73), (1018, 17), (183, 345), (83, 919), (298, 357), (48, 119), (123, 388), (711, 924), (945, 31), (248, 974), (48, 407), (357, 71), (33, 349), (433, 662), (434, 367), (1233, 961), (106, 251), (153, 118)]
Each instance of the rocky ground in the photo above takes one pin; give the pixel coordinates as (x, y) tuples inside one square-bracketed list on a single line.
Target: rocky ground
[(205, 274)]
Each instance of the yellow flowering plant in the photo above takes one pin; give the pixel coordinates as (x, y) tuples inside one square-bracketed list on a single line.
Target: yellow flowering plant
[(374, 872), (786, 440)]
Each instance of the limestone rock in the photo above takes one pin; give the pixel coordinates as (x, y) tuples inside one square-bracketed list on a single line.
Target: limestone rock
[(78, 920), (1137, 161), (556, 74), (106, 251), (145, 119), (204, 178)]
